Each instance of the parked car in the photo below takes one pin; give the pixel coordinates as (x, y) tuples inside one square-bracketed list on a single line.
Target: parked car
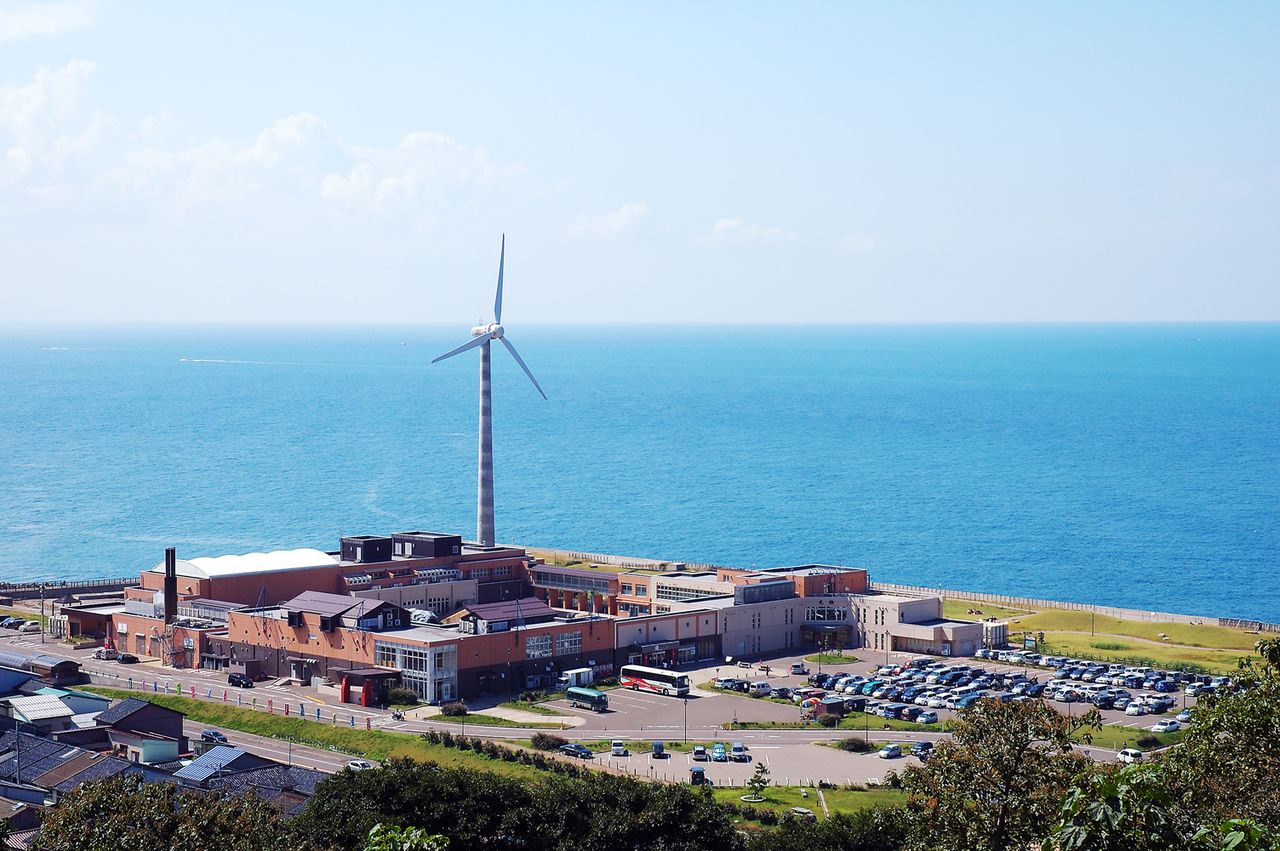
[(576, 750), (890, 752), (1184, 717), (927, 718), (723, 682), (127, 659), (30, 626), (4, 622), (359, 765), (214, 736), (738, 752), (718, 753), (922, 750), (1135, 708), (781, 692), (105, 653), (1129, 756), (1168, 725), (239, 680), (798, 669), (700, 753)]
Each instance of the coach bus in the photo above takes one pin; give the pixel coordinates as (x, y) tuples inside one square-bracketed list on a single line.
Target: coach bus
[(587, 698), (656, 680)]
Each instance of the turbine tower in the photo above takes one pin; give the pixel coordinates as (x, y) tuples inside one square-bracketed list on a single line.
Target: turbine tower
[(482, 336)]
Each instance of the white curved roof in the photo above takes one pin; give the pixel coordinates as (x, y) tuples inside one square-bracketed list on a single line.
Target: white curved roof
[(207, 567)]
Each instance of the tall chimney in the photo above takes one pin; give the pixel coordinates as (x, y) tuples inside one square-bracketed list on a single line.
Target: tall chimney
[(170, 585)]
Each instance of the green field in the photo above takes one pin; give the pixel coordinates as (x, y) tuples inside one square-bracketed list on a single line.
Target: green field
[(780, 798), (958, 609), (1114, 737), (477, 719), (535, 707), (833, 659), (372, 744), (1110, 648)]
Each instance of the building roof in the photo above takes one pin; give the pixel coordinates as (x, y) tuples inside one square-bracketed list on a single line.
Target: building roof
[(128, 706), (38, 754), (40, 707), (70, 767), (510, 610), (331, 605), (100, 769), (272, 777), (209, 763), (207, 567), (60, 693)]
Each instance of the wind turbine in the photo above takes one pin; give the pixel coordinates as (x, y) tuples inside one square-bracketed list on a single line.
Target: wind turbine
[(482, 336)]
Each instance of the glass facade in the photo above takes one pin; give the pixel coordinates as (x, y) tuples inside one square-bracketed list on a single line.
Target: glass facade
[(431, 672), (539, 646), (569, 643), (570, 581), (681, 593)]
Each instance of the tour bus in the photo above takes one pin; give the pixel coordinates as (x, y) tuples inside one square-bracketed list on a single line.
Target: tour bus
[(656, 680), (587, 698)]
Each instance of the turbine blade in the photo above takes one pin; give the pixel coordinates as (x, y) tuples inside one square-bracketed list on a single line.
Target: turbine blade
[(471, 344), (523, 365), (497, 302)]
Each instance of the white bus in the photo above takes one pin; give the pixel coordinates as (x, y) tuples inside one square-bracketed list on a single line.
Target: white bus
[(656, 680)]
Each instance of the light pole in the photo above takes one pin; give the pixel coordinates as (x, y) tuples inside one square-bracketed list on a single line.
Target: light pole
[(42, 613), (685, 707)]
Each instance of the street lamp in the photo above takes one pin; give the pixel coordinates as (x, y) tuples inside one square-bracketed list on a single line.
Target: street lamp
[(685, 706)]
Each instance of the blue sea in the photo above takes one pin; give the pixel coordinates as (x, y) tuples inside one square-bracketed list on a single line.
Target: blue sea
[(1132, 465)]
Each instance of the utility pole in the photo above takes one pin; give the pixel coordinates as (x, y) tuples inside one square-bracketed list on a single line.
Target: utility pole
[(42, 613)]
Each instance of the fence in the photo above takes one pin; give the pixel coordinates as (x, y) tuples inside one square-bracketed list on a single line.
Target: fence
[(1107, 611), (60, 588)]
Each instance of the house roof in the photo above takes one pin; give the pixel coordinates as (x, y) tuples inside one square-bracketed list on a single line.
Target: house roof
[(37, 754), (210, 763), (207, 567), (70, 767), (122, 710), (272, 777), (40, 707), (104, 767)]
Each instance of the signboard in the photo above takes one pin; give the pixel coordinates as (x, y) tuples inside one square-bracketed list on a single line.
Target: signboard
[(1029, 642), (946, 649)]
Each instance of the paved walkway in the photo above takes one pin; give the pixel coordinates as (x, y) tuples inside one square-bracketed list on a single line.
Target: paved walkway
[(521, 717)]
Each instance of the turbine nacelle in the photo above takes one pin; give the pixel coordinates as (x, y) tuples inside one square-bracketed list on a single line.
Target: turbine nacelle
[(494, 331)]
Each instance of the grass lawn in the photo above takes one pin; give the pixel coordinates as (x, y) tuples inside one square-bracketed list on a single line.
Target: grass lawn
[(1114, 737), (781, 798), (478, 720), (1192, 635), (373, 744), (1110, 648), (535, 708), (958, 609), (833, 659)]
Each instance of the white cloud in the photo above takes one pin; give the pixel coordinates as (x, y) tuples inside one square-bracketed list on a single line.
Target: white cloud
[(27, 20), (739, 232), (859, 243), (608, 225), (33, 120)]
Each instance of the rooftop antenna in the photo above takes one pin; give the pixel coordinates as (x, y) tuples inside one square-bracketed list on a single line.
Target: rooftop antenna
[(483, 336)]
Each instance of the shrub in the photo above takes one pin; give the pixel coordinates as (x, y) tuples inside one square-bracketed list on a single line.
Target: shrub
[(854, 745), (1148, 741), (432, 736), (454, 709), (608, 681), (533, 695), (768, 817), (446, 739), (828, 721), (548, 742), (402, 696)]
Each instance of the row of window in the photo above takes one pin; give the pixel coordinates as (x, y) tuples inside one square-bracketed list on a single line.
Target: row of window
[(679, 593), (636, 590), (566, 644)]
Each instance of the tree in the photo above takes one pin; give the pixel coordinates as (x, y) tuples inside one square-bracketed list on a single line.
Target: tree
[(875, 829), (1227, 765), (758, 783), (124, 812), (389, 837), (1123, 808), (999, 782)]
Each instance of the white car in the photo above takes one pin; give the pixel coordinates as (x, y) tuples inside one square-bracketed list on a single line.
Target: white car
[(1166, 726), (927, 718), (890, 752), (1129, 756), (936, 701), (359, 765), (1135, 708)]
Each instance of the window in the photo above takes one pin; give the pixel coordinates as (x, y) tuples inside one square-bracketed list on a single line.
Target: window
[(824, 613), (627, 589), (538, 646), (569, 643), (642, 590)]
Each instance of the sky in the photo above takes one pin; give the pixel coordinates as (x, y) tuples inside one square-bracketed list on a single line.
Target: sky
[(713, 162)]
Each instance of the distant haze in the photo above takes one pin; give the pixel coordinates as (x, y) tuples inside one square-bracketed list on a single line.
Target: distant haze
[(731, 162)]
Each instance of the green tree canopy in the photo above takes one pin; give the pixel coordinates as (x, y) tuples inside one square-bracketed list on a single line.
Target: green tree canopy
[(999, 782), (124, 813)]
